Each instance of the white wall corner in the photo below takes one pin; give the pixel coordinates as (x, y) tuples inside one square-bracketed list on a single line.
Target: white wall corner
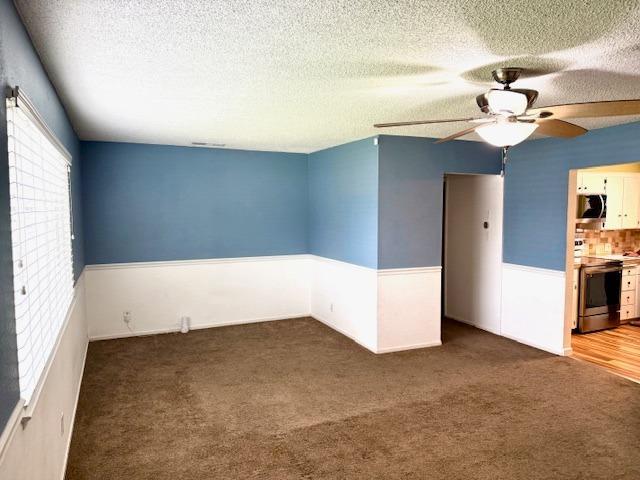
[(533, 307), (344, 297)]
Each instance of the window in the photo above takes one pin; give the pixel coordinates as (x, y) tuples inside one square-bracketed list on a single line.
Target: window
[(39, 188)]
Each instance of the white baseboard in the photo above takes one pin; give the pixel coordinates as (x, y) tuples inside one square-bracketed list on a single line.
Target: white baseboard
[(471, 324), (345, 333), (539, 346), (401, 348), (176, 329)]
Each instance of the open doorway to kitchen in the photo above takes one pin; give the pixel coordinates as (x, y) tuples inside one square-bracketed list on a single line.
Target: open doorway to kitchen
[(602, 304), (472, 250)]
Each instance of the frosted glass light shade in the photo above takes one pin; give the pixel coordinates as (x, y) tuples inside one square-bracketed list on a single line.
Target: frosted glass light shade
[(506, 134), (506, 102)]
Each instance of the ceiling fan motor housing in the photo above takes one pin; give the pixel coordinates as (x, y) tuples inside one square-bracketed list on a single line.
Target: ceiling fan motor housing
[(490, 102)]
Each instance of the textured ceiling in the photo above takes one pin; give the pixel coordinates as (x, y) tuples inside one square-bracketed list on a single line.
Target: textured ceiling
[(300, 75)]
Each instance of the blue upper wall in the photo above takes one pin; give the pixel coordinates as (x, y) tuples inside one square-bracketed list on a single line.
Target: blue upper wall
[(20, 66), (536, 189), (343, 203), (411, 172), (153, 203)]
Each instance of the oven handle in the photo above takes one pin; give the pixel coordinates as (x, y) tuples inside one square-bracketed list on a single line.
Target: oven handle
[(592, 270)]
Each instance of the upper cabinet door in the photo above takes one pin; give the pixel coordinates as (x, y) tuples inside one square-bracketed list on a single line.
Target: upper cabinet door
[(591, 183), (615, 186), (631, 202)]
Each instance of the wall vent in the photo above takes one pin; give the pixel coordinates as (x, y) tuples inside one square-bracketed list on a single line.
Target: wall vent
[(205, 144)]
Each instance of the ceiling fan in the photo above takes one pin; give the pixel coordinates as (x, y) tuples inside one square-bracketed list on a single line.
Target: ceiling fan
[(510, 117)]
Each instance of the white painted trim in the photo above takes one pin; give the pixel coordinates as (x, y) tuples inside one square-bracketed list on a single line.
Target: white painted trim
[(410, 347), (526, 268), (10, 427), (533, 344), (73, 416), (176, 329), (340, 262), (466, 322), (406, 271), (342, 332), (202, 261)]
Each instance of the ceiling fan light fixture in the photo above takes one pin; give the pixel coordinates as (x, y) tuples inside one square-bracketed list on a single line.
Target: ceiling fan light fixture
[(507, 102), (506, 134)]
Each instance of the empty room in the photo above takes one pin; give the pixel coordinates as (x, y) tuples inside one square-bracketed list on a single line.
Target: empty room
[(264, 239)]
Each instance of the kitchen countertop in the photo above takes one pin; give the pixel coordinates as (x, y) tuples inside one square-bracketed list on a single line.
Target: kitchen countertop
[(622, 258)]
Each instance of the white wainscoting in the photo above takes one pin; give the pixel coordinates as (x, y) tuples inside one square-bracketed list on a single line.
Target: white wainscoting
[(408, 308), (382, 310), (344, 297), (39, 449), (212, 293), (533, 306)]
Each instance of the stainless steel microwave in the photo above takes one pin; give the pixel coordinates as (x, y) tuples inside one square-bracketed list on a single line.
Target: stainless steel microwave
[(591, 210)]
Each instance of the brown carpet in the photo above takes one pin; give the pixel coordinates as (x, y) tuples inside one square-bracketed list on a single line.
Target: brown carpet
[(296, 400)]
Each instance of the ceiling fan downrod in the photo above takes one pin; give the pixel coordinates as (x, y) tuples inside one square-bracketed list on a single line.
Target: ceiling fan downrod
[(506, 76), (504, 156)]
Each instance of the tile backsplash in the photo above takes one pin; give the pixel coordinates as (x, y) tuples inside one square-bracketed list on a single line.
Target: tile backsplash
[(620, 240)]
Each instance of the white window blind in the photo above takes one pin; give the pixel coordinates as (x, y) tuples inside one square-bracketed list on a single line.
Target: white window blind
[(41, 235)]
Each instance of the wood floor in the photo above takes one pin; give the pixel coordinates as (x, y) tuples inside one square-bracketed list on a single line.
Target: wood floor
[(617, 350)]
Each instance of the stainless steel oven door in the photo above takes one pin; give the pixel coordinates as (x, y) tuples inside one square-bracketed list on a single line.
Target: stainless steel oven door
[(600, 290)]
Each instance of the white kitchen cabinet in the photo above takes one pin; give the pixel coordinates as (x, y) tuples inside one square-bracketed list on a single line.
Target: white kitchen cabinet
[(591, 182), (629, 293), (630, 202), (623, 202), (626, 313), (615, 197), (637, 309), (628, 284)]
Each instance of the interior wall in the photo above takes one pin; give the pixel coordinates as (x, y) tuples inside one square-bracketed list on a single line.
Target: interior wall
[(20, 66), (151, 203), (343, 203), (535, 190), (473, 253), (535, 228), (410, 190)]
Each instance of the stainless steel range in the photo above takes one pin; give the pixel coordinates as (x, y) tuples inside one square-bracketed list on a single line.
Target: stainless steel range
[(600, 285)]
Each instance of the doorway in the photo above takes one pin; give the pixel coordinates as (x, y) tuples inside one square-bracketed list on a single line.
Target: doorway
[(472, 250)]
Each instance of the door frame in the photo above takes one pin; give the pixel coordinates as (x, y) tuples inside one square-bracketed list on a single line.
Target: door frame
[(443, 285)]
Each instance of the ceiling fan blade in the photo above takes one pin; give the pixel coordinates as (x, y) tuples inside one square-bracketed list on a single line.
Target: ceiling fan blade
[(611, 108), (559, 128), (483, 120), (458, 134), (422, 122)]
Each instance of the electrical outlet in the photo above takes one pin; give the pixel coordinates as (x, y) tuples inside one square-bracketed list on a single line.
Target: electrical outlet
[(126, 317), (61, 424), (331, 307)]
